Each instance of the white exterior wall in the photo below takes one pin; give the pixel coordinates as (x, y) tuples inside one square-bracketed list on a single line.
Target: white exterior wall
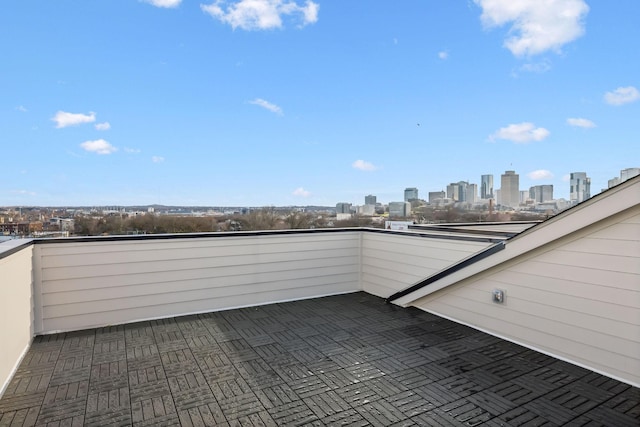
[(577, 298), (95, 283), (15, 310), (391, 262)]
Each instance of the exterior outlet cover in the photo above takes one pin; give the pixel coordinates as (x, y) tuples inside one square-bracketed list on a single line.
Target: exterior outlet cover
[(498, 296)]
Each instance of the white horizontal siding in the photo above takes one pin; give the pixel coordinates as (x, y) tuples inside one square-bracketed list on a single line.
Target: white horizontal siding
[(569, 274), (592, 261), (393, 262), (569, 295), (151, 307), (120, 252), (579, 299), (15, 310), (94, 283), (218, 263)]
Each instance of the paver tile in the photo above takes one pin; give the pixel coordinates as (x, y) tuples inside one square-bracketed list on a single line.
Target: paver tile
[(348, 360)]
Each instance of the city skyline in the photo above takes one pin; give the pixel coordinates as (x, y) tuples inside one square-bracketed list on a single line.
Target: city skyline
[(288, 103), (473, 193)]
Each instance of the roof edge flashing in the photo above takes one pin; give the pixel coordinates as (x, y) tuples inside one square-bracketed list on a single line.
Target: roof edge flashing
[(479, 256), (10, 247)]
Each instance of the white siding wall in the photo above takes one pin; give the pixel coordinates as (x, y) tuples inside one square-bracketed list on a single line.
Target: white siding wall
[(87, 284), (577, 299), (15, 311), (391, 262)]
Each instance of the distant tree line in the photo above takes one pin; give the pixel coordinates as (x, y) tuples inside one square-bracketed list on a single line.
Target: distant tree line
[(270, 219), (141, 224), (258, 219)]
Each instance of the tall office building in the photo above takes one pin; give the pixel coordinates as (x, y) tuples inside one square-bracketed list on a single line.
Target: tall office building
[(366, 210), (452, 192), (457, 191), (510, 189), (486, 187), (410, 194), (580, 187), (628, 173), (625, 174), (343, 208), (613, 182), (399, 209), (471, 195), (370, 200), (435, 196), (541, 193)]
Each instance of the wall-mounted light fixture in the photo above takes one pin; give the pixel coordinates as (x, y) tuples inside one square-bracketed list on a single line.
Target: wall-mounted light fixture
[(498, 295)]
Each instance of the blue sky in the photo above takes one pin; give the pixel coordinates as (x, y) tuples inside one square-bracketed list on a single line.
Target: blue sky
[(293, 102)]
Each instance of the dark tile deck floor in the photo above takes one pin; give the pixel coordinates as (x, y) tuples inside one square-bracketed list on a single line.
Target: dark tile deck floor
[(341, 360)]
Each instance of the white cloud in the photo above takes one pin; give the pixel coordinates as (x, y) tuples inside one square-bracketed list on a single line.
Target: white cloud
[(21, 108), (566, 178), (261, 14), (540, 174), (99, 146), (622, 95), (536, 25), (164, 3), (103, 126), (132, 150), (301, 192), (363, 165), (64, 119), (537, 67), (581, 123), (157, 159), (443, 55), (267, 105), (520, 133)]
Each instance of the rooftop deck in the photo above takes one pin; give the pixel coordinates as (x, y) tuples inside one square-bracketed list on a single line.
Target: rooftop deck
[(342, 360)]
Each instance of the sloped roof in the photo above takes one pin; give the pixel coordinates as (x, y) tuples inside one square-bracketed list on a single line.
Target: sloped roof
[(604, 205), (506, 229)]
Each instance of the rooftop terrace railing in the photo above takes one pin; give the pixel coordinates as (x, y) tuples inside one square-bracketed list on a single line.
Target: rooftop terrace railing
[(54, 285)]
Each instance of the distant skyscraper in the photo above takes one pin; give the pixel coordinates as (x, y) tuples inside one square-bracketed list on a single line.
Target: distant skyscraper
[(399, 209), (541, 193), (510, 189), (436, 195), (625, 174), (410, 194), (580, 187), (628, 173), (471, 195), (486, 187), (524, 195), (457, 191), (613, 182), (452, 192), (342, 208), (370, 200), (367, 210)]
